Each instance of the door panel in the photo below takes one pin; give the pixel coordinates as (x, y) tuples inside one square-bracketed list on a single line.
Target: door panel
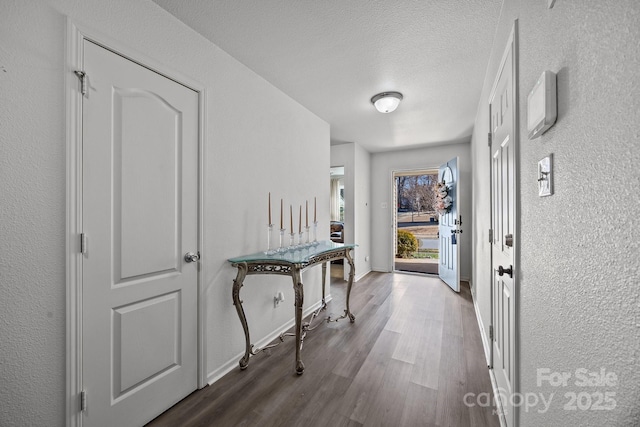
[(140, 215), (146, 340), (449, 268), (503, 175), (154, 223)]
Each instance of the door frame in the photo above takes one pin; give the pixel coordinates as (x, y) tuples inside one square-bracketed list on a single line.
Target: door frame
[(512, 43), (394, 208), (76, 36)]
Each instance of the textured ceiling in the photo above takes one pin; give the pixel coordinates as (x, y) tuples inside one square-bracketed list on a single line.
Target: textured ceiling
[(332, 56)]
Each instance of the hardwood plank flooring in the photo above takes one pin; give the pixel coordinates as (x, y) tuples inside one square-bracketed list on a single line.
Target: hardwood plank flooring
[(413, 353)]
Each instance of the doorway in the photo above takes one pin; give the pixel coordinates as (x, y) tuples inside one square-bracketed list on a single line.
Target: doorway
[(134, 320), (416, 244), (336, 209), (504, 145)]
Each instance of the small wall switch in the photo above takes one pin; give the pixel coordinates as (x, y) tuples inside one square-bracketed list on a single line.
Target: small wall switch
[(383, 205), (545, 176)]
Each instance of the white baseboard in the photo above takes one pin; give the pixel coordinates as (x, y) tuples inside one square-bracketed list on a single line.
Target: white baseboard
[(360, 276), (232, 363), (483, 335)]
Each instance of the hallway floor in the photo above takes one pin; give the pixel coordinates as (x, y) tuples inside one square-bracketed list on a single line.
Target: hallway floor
[(409, 359)]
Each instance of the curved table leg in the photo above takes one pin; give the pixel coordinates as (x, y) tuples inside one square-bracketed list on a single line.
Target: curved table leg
[(324, 281), (299, 296), (237, 284), (352, 273)]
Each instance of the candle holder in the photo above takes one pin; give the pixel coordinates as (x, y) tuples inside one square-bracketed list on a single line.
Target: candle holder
[(270, 250), (300, 243), (281, 247), (292, 243), (315, 232), (307, 243)]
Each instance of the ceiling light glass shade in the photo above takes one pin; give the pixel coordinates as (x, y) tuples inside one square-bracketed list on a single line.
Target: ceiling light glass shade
[(386, 102)]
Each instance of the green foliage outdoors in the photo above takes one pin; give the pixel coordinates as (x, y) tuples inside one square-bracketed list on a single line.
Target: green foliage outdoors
[(407, 243)]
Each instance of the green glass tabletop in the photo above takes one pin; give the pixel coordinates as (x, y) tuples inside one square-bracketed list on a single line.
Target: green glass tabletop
[(294, 256)]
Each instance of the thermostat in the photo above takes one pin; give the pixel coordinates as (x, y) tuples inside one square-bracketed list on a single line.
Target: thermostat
[(542, 105)]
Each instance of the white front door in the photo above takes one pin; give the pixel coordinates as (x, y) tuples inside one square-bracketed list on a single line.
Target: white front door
[(140, 217), (449, 228), (503, 174)]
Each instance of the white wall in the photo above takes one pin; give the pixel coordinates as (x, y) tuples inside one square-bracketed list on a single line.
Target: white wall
[(258, 140), (579, 268), (362, 195), (382, 167), (357, 213)]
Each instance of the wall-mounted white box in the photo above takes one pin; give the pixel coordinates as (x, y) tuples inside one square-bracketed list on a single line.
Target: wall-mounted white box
[(542, 104)]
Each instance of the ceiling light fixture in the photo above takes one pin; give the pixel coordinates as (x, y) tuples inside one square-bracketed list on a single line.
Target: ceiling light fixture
[(386, 102)]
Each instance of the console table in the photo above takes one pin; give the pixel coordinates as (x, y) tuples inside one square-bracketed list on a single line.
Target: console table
[(291, 263)]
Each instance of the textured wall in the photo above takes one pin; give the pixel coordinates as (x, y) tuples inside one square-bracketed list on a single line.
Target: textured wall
[(32, 215), (382, 166), (579, 267), (256, 142)]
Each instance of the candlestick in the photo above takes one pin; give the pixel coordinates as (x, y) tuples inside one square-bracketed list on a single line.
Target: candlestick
[(270, 208), (300, 244), (281, 248), (270, 250), (307, 241), (291, 218), (315, 232), (292, 243), (281, 224), (315, 210)]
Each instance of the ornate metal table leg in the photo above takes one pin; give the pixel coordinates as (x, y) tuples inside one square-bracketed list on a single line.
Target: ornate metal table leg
[(299, 296), (352, 273), (237, 284), (324, 280)]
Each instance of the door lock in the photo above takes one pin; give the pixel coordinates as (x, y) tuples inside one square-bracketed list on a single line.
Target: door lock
[(502, 271), (191, 257)]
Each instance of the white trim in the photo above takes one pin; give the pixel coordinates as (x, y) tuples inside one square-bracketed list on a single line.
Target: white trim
[(73, 229), (360, 276), (496, 399), (486, 346), (483, 334), (76, 35), (232, 363)]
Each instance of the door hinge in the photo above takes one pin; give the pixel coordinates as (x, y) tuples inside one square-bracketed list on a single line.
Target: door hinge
[(83, 81), (489, 138), (491, 235), (83, 400), (83, 243), (491, 332)]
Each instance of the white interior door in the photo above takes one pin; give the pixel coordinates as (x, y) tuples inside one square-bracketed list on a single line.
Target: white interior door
[(140, 217), (449, 227), (503, 175)]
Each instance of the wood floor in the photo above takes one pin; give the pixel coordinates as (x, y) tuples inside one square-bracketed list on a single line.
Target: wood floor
[(412, 354)]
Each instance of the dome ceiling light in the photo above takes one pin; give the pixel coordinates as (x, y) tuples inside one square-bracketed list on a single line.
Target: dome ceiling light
[(386, 102)]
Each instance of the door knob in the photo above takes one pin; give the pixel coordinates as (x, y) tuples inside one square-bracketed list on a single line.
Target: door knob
[(502, 271), (191, 257)]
